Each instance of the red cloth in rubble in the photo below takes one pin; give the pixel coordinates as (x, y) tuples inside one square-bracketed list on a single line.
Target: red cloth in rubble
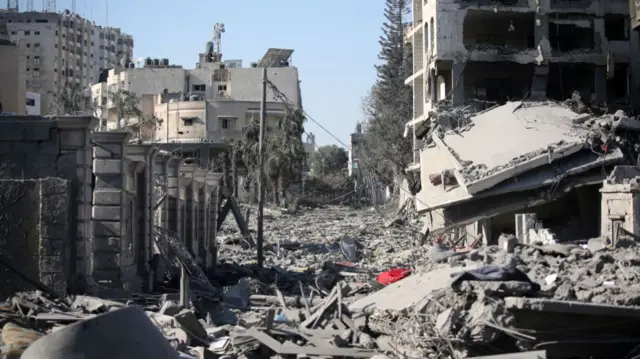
[(393, 275)]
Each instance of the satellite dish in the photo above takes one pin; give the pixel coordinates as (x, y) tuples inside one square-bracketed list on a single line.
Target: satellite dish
[(139, 60)]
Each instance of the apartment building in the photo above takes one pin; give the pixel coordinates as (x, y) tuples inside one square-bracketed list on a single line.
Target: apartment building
[(500, 49), (212, 102), (63, 48), (12, 78)]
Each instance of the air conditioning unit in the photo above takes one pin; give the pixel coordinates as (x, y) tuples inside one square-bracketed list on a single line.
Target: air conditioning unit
[(222, 93)]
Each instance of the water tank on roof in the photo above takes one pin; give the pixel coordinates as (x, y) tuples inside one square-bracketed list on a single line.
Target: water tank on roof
[(209, 47), (148, 61), (156, 62), (165, 62)]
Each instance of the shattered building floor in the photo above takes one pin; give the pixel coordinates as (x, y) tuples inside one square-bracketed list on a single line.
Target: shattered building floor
[(360, 283)]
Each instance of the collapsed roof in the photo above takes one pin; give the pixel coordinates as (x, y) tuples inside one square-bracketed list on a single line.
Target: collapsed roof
[(512, 153)]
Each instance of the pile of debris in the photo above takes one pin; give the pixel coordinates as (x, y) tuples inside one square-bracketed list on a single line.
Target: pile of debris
[(368, 289)]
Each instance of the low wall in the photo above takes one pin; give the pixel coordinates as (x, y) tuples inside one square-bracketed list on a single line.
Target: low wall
[(34, 233)]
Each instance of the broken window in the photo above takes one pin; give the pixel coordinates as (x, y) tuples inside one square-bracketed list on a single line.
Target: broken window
[(497, 81), (616, 27), (505, 29), (570, 34), (566, 78)]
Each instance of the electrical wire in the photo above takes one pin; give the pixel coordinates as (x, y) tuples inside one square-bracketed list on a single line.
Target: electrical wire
[(283, 98)]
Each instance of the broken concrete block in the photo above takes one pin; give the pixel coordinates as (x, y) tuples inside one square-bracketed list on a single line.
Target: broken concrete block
[(189, 322), (203, 353), (170, 308), (178, 338), (507, 242), (239, 295)]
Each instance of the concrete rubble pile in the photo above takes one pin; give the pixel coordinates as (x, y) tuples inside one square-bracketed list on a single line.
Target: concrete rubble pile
[(561, 298), (543, 299)]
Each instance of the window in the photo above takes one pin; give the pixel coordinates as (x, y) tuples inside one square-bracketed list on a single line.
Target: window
[(28, 44), (31, 102), (37, 33), (222, 87), (36, 60), (103, 100), (27, 32), (14, 33), (225, 123), (36, 72), (199, 88), (36, 47), (188, 121)]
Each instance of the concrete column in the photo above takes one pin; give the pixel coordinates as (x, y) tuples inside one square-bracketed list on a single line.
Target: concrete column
[(200, 177), (109, 198), (173, 212), (213, 181), (457, 83), (142, 179), (159, 185), (150, 200), (600, 84), (75, 135), (191, 207)]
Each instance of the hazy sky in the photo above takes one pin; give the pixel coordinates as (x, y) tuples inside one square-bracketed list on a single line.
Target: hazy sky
[(335, 43)]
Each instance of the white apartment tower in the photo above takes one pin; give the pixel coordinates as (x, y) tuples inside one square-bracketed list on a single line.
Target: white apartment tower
[(64, 48)]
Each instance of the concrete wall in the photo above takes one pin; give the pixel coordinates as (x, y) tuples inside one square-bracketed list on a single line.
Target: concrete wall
[(35, 232), (211, 120), (12, 78), (94, 225)]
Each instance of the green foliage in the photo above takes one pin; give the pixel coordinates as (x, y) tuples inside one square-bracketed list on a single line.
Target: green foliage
[(126, 106), (70, 99), (328, 160), (284, 154), (389, 105)]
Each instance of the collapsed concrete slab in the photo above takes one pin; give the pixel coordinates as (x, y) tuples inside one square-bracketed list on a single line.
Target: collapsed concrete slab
[(407, 292), (509, 140)]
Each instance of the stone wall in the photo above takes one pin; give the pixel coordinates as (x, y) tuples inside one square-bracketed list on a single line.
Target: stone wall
[(34, 217), (92, 202)]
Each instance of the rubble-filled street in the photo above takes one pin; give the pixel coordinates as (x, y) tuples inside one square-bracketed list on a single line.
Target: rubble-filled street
[(344, 282)]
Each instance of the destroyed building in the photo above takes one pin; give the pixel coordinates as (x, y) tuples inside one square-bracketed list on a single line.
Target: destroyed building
[(513, 49), (482, 165)]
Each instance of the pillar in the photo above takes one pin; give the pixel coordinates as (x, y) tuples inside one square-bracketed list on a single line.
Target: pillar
[(457, 83), (75, 135), (620, 204), (173, 211), (159, 186), (149, 217), (213, 181), (189, 197), (200, 177), (108, 199)]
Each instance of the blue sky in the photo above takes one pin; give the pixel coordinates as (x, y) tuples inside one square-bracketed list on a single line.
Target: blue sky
[(335, 43)]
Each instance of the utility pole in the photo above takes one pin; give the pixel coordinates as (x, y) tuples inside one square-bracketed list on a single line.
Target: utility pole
[(263, 115)]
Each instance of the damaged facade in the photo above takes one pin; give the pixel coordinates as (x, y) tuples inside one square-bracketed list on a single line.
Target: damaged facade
[(88, 210), (492, 165)]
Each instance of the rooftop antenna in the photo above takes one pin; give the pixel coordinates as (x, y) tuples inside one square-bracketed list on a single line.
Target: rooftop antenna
[(107, 4), (51, 6), (73, 6), (218, 30)]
